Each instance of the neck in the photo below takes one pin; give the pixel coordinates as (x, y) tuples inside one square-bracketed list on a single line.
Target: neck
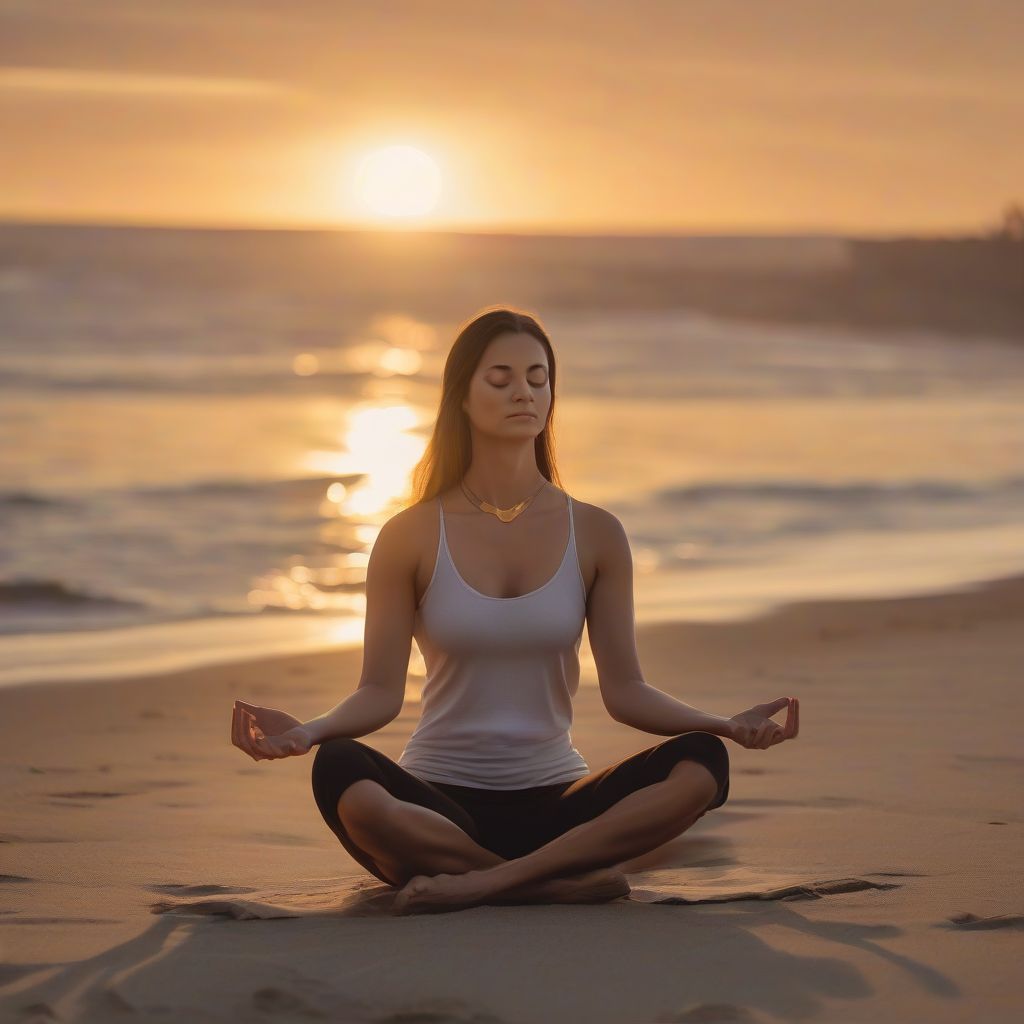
[(505, 480)]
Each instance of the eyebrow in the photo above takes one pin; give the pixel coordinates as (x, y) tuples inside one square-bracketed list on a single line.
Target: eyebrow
[(502, 366)]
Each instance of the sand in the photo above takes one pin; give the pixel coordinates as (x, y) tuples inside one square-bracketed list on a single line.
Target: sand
[(869, 870)]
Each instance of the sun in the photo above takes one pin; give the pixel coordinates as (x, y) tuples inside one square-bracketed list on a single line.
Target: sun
[(398, 181)]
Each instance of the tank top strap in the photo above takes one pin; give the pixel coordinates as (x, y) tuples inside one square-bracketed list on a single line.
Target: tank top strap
[(442, 539)]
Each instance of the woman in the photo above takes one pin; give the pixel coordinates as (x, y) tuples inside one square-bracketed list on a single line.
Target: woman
[(494, 569)]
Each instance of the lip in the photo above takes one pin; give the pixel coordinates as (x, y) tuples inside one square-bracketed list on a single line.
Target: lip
[(518, 415)]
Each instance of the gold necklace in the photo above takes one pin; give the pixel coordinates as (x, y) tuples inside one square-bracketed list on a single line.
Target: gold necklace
[(506, 515)]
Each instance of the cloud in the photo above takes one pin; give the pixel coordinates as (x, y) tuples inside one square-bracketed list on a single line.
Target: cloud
[(76, 82)]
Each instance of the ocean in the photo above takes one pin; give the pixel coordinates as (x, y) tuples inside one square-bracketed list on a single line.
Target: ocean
[(202, 432)]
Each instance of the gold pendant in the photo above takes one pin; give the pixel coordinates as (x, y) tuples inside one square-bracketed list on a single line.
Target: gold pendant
[(506, 515)]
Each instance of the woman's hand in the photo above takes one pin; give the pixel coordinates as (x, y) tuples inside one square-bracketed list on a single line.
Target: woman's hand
[(754, 729), (264, 733)]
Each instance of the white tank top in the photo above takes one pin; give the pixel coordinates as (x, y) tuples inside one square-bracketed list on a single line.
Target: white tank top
[(501, 675)]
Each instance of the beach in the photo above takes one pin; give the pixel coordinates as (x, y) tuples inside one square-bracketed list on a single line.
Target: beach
[(867, 870), (270, 286)]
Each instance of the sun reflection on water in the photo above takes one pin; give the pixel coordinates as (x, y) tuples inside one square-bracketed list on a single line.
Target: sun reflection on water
[(378, 447)]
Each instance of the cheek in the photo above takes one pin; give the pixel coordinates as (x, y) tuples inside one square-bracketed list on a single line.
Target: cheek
[(485, 398)]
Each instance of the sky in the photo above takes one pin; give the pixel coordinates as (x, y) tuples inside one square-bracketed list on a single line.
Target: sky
[(581, 117)]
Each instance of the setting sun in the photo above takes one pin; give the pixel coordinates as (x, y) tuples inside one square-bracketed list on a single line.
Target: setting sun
[(398, 181)]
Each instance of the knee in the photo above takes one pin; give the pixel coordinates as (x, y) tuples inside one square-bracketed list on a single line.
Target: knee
[(338, 763), (363, 801), (711, 752), (337, 753), (699, 784)]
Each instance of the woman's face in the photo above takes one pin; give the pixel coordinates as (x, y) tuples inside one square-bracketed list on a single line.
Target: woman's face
[(512, 377)]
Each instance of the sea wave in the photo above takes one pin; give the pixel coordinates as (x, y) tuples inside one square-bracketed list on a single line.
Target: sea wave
[(56, 593), (292, 487), (809, 491)]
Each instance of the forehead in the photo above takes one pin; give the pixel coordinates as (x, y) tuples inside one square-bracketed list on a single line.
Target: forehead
[(515, 350)]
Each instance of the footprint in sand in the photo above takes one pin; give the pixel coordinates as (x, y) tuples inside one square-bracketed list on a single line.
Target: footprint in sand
[(971, 922), (437, 1011), (88, 794), (279, 1002), (184, 889), (107, 794)]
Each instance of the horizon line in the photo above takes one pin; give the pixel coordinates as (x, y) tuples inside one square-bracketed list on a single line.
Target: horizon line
[(975, 231)]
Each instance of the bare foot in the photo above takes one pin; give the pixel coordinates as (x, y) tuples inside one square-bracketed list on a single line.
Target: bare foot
[(438, 893), (598, 886), (432, 893)]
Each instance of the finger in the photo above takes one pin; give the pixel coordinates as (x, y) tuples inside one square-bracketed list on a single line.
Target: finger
[(244, 737), (265, 745), (790, 721), (260, 743), (250, 736), (237, 725), (796, 717)]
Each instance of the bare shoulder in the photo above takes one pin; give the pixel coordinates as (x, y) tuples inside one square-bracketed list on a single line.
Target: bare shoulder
[(601, 542), (405, 531), (603, 529)]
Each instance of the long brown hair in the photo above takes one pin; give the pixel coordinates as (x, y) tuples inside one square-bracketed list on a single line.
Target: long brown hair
[(449, 452)]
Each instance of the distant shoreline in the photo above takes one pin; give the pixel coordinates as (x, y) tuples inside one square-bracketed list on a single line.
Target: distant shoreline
[(823, 618), (958, 284)]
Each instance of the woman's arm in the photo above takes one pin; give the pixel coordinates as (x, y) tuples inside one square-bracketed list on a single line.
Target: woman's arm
[(612, 629), (387, 637)]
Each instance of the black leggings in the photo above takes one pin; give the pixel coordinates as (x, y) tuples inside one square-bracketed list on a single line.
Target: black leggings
[(508, 822)]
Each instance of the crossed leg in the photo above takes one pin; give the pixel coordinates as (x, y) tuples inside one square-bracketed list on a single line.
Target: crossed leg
[(636, 824), (405, 840)]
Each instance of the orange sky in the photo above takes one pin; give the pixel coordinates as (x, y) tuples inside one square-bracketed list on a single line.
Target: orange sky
[(702, 115)]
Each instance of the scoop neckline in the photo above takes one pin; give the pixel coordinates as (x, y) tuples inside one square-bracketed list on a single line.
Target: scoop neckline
[(517, 597)]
